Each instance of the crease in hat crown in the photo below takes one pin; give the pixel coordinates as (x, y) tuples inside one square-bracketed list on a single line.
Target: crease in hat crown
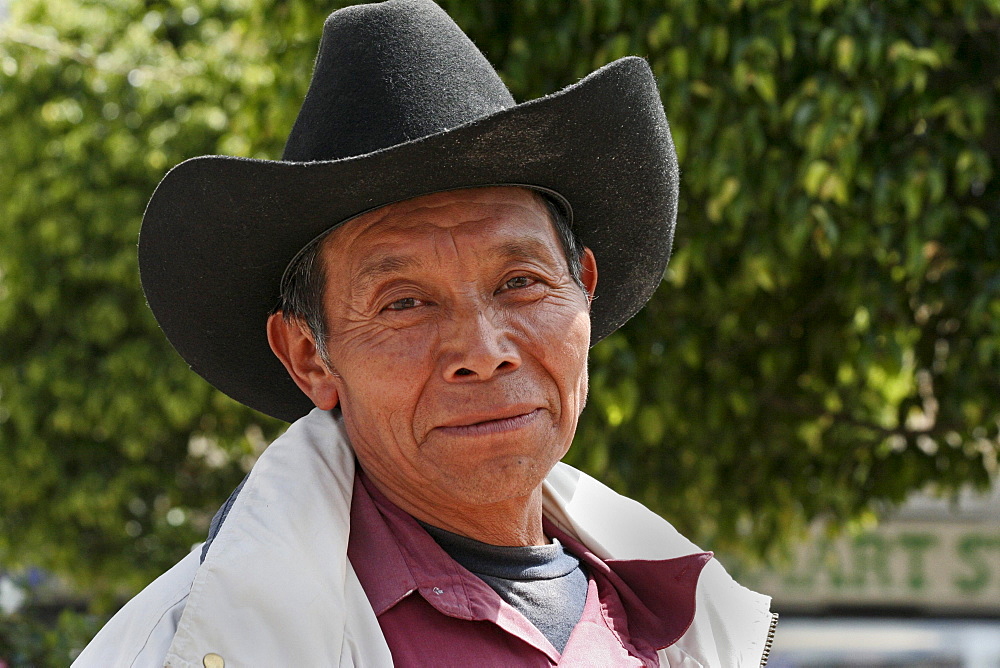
[(420, 75), (401, 104)]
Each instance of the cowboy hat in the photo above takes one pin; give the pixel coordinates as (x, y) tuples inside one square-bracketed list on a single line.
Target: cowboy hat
[(401, 104)]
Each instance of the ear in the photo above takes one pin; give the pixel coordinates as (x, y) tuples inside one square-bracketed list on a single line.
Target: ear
[(293, 344), (588, 273)]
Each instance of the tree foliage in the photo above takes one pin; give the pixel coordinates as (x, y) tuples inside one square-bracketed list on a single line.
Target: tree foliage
[(827, 338)]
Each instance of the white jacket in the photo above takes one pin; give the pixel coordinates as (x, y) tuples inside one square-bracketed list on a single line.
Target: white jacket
[(277, 589)]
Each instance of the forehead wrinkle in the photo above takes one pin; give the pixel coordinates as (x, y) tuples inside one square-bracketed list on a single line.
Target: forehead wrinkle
[(514, 197), (499, 250), (395, 224), (381, 266)]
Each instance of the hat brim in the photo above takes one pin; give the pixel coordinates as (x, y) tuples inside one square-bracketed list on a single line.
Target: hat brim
[(219, 231)]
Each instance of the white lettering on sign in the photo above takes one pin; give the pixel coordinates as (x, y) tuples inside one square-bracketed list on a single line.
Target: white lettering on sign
[(927, 565)]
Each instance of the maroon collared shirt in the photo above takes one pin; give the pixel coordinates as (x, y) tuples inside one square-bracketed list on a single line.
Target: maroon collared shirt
[(433, 612)]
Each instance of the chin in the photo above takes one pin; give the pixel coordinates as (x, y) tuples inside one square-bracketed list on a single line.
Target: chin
[(512, 478)]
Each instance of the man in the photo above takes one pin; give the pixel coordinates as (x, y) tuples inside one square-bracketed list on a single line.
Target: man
[(415, 286)]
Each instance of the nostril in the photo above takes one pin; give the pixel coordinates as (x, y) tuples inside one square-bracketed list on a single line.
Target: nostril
[(505, 365), (463, 372)]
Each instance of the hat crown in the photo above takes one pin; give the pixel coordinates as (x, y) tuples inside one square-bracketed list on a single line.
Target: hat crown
[(388, 73)]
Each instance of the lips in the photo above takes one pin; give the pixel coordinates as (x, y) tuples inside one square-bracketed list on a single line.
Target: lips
[(480, 424)]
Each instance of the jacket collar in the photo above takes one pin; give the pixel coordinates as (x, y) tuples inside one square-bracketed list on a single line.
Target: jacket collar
[(269, 544), (395, 557)]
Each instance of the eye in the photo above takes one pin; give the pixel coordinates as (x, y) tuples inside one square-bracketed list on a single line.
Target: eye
[(403, 304), (518, 282)]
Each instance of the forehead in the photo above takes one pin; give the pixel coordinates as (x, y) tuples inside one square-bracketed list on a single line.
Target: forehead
[(480, 217)]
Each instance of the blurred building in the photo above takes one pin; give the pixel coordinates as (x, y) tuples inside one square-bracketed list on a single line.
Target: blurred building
[(923, 590)]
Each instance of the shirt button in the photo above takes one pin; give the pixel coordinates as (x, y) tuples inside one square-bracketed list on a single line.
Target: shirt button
[(213, 660)]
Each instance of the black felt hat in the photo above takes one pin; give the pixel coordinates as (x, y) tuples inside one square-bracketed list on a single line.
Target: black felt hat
[(401, 104)]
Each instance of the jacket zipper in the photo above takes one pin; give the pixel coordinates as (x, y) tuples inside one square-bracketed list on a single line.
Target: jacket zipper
[(770, 640)]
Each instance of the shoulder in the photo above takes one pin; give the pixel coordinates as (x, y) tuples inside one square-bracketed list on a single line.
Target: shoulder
[(141, 632), (732, 625)]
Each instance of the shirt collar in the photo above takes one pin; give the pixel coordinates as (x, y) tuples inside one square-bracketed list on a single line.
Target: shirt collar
[(658, 595), (394, 556)]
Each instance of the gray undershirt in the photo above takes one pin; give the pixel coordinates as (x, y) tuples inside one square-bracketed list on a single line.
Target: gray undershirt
[(542, 582)]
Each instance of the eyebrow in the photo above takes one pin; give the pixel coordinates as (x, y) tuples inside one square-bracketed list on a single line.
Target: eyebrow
[(527, 249), (387, 265)]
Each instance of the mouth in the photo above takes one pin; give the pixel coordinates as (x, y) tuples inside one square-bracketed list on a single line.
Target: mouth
[(483, 427)]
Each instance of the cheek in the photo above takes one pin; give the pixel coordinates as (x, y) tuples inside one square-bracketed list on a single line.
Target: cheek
[(560, 338), (381, 371), (574, 356), (561, 314), (365, 347)]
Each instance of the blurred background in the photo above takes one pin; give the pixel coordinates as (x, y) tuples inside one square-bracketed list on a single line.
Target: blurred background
[(813, 393)]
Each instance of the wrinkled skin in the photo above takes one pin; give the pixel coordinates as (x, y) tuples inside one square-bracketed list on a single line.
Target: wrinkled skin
[(458, 343)]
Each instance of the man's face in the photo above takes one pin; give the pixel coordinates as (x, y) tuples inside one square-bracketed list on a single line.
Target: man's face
[(458, 341)]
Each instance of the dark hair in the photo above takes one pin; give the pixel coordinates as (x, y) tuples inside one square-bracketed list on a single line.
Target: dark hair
[(568, 238), (304, 286)]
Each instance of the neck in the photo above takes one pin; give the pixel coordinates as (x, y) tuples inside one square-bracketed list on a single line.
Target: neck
[(510, 522)]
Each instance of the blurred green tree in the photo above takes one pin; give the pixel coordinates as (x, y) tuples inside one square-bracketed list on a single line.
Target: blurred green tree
[(826, 341)]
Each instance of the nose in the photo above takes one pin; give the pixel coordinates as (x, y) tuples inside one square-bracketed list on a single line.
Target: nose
[(478, 347)]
